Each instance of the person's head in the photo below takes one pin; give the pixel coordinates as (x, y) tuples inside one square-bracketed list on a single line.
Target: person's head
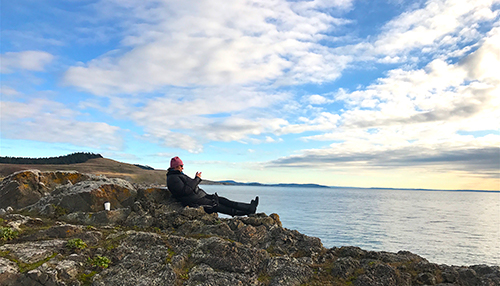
[(176, 163)]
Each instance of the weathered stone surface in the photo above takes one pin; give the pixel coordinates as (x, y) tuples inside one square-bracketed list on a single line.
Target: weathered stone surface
[(33, 251), (21, 189), (238, 258), (204, 275), (140, 259), (67, 269), (153, 194), (24, 188), (9, 272), (87, 196), (287, 271), (345, 267), (383, 275), (117, 216)]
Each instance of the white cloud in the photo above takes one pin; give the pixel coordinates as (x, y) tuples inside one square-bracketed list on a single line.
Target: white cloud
[(197, 116), (484, 64), (26, 60), (413, 118), (440, 92), (212, 43), (324, 121), (438, 23), (470, 155), (269, 139), (217, 43), (49, 121), (317, 99), (8, 91)]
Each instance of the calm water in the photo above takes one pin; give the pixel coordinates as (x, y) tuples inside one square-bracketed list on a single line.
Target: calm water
[(455, 228)]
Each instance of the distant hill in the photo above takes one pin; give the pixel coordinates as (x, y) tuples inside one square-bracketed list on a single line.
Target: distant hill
[(74, 158), (97, 165)]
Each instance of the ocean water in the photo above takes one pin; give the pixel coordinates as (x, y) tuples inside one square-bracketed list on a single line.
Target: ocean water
[(445, 227)]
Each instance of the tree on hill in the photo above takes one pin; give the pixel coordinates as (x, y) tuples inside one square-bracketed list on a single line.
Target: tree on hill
[(74, 158)]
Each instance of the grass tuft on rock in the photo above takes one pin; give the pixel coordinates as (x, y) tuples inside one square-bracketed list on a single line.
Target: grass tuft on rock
[(7, 233)]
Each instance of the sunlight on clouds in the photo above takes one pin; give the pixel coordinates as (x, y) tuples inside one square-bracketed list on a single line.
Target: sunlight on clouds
[(469, 155), (209, 44), (439, 23), (484, 64), (324, 121), (48, 121), (317, 99), (413, 119), (26, 60), (190, 114), (438, 92)]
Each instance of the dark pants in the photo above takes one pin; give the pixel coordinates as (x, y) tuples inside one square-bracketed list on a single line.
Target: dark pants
[(224, 206)]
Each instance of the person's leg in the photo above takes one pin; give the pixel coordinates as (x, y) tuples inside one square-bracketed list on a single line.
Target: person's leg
[(214, 203), (228, 210), (211, 204), (250, 208)]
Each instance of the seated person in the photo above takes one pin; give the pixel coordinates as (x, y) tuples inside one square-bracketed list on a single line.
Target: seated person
[(186, 190)]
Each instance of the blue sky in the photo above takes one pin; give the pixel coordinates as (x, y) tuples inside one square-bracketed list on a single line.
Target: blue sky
[(344, 93)]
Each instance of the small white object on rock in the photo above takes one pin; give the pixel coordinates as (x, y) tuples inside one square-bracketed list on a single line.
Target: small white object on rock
[(107, 206), (9, 209)]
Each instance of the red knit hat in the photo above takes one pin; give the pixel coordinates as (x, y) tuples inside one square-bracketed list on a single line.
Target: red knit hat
[(176, 162)]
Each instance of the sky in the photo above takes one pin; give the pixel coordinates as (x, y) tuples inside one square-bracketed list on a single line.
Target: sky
[(396, 93)]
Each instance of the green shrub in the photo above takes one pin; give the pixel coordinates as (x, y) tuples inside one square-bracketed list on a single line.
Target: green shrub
[(76, 243), (7, 233), (99, 261)]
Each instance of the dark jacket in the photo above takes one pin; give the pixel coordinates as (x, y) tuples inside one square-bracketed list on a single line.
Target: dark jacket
[(183, 188)]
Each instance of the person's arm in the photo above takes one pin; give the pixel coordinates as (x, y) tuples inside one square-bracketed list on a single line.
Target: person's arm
[(192, 183), (183, 185)]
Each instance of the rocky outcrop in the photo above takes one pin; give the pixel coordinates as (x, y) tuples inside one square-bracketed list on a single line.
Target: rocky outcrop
[(27, 187), (86, 196), (149, 239)]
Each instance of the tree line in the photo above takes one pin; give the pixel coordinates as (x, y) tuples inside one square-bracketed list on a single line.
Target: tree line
[(74, 158)]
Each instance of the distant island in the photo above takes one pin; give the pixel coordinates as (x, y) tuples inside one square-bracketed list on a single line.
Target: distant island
[(292, 185), (230, 182)]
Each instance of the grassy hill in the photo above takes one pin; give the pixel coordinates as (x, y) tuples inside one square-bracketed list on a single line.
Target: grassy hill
[(100, 166)]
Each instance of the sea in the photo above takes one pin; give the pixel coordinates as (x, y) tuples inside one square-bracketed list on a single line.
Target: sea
[(459, 228)]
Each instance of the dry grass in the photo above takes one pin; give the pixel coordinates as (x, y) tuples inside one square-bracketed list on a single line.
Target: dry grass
[(100, 166)]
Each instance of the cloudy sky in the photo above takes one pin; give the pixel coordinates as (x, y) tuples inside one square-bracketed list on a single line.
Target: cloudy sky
[(393, 93)]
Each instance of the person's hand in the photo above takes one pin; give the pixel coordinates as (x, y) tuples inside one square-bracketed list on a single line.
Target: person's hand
[(198, 174)]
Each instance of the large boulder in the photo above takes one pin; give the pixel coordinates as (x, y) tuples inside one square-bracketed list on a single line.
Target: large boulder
[(87, 196), (24, 188)]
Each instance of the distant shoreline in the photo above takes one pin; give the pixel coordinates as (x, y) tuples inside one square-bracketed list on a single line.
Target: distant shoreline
[(137, 173), (293, 185)]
